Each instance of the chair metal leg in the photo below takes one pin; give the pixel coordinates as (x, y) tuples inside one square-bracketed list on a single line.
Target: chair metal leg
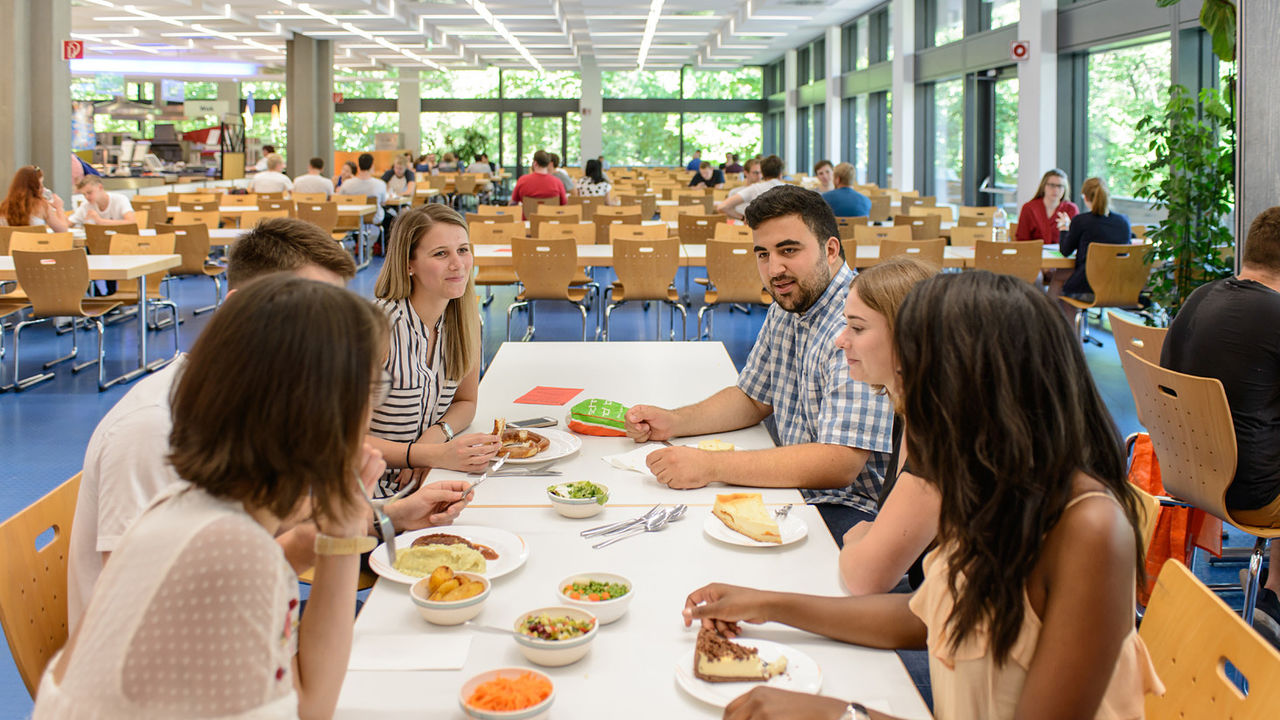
[(75, 350), (488, 296), (684, 322), (173, 309), (217, 297), (583, 309), (1251, 588), (528, 331), (704, 310), (608, 311), (20, 384), (510, 309)]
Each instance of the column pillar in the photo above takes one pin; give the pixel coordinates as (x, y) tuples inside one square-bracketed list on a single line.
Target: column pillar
[(309, 77), (1037, 94), (591, 108), (409, 103), (35, 125), (834, 105), (790, 128), (1257, 136), (903, 26)]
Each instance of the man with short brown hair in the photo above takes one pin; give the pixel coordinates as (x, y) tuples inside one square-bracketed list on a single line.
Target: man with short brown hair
[(540, 183)]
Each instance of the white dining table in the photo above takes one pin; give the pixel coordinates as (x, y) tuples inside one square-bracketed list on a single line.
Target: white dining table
[(217, 236), (361, 209), (630, 669)]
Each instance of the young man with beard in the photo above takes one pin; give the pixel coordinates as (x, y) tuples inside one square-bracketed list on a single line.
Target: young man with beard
[(835, 432)]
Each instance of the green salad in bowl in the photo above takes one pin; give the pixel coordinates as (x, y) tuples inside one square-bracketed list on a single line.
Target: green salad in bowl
[(579, 499)]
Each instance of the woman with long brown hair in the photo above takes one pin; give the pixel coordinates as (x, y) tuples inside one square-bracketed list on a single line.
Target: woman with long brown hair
[(426, 288), (28, 202), (1047, 216), (1028, 602), (196, 614)]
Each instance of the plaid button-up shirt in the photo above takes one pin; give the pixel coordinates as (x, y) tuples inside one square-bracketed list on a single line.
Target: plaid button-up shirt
[(796, 368)]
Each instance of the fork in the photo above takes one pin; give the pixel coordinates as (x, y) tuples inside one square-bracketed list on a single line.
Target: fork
[(781, 513)]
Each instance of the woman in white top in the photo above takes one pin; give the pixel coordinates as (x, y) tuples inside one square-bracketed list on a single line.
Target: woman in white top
[(30, 203), (427, 290), (196, 613), (593, 183)]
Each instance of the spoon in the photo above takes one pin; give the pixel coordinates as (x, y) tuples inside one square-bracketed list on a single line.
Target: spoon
[(474, 625), (622, 524), (654, 523), (677, 512)]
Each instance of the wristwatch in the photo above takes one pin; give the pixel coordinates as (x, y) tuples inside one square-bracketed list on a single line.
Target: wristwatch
[(855, 711), (448, 431), (330, 545)]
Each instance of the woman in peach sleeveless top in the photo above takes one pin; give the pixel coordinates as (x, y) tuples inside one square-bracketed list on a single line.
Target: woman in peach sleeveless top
[(1027, 606)]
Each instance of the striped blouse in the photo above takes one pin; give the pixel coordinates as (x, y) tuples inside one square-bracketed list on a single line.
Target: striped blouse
[(420, 393)]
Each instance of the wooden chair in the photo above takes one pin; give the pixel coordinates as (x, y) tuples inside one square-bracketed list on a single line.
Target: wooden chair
[(41, 242), (498, 210), (98, 237), (530, 204), (267, 204), (910, 201), (249, 200), (210, 220), (1192, 433), (604, 221), (192, 243), (201, 207), (7, 230), (1019, 259), (484, 218), (847, 224), (588, 203), (1117, 274), (299, 198), (204, 197), (251, 218), (33, 608), (871, 235), (969, 236), (701, 198), (930, 251), (466, 186), (697, 229), (943, 213), (880, 210), (56, 283), (1148, 514), (494, 233), (672, 213), (155, 207), (1191, 635), (629, 231), (977, 221), (159, 244), (279, 195), (1145, 342), (562, 213), (546, 268), (737, 231), (979, 211), (645, 203), (583, 233), (322, 214), (923, 227), (646, 270), (732, 277), (1139, 231), (850, 247)]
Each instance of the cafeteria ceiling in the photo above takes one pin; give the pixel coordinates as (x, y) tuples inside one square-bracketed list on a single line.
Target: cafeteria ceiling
[(462, 34)]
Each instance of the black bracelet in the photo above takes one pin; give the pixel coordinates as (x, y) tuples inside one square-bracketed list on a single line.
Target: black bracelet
[(407, 446)]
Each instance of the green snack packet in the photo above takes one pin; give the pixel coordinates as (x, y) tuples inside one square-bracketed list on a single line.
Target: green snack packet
[(594, 416)]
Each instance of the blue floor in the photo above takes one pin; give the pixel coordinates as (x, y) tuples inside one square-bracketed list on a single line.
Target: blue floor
[(43, 431)]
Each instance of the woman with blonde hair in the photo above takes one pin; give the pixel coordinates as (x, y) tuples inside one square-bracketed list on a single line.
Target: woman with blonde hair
[(427, 290), (30, 203), (1097, 225)]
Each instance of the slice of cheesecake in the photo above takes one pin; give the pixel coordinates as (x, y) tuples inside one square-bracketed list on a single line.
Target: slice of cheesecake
[(718, 659), (745, 513), (715, 445)]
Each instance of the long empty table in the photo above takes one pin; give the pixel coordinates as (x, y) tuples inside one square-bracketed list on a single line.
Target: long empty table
[(217, 236), (629, 671)]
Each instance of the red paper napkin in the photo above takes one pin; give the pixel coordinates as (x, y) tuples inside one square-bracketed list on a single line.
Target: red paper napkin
[(542, 395)]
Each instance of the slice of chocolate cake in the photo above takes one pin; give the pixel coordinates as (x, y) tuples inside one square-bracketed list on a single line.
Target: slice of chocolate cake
[(718, 659)]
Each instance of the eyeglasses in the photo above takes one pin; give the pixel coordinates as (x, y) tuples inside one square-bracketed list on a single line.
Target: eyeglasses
[(1055, 185), (381, 388)]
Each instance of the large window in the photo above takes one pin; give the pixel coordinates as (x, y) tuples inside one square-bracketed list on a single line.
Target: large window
[(640, 84), (1124, 85), (858, 140), (1006, 141), (888, 139), (741, 84), (719, 133), (468, 84), (642, 138), (533, 84), (200, 90), (367, 84), (998, 13), (461, 134), (353, 132), (948, 141), (948, 21)]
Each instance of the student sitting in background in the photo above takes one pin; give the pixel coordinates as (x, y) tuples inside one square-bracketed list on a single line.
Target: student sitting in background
[(29, 202), (314, 181), (707, 176), (1096, 225), (1027, 603), (1047, 216), (558, 173), (823, 171), (539, 183), (593, 183), (261, 165), (480, 166), (449, 163), (732, 166), (364, 184), (347, 172), (400, 180), (735, 206), (426, 164), (844, 200), (100, 207), (272, 180)]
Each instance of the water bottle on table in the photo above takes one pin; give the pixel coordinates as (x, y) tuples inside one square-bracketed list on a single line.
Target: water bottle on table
[(1000, 224)]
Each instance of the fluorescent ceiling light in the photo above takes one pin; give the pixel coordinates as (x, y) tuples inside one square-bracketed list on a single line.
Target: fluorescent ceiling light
[(650, 26), (496, 24), (164, 67)]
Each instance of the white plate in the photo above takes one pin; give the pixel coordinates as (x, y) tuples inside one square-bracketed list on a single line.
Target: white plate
[(563, 445), (512, 550), (791, 529), (802, 675)]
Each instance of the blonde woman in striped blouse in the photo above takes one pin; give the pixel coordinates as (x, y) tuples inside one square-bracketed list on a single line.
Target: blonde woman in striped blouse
[(427, 291)]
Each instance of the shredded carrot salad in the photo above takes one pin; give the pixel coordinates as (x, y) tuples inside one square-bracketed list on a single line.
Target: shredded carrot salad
[(504, 693)]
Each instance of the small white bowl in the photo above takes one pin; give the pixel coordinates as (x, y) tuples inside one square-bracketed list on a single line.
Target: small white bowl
[(555, 653), (578, 507), (536, 712), (606, 611), (449, 613)]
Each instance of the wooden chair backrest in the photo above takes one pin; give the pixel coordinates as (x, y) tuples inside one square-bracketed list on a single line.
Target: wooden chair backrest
[(962, 236), (142, 218), (604, 221), (930, 251), (1148, 514), (465, 185), (873, 235), (847, 224), (278, 195), (33, 604), (496, 210), (98, 237), (558, 211), (300, 198), (187, 206), (697, 229), (321, 214), (906, 203), (978, 221), (54, 280), (530, 204), (943, 213), (850, 247), (1145, 342), (646, 268), (623, 210), (1019, 259), (7, 230), (208, 219), (981, 211), (632, 231), (272, 204), (241, 200), (588, 203), (646, 204), (1117, 273), (545, 266), (732, 269), (737, 231), (439, 182), (495, 233), (699, 197), (1139, 231), (192, 243), (583, 233), (879, 208), (923, 227), (179, 198), (122, 244), (1191, 635), (155, 207), (251, 218), (672, 213), (483, 218), (41, 242), (1191, 431)]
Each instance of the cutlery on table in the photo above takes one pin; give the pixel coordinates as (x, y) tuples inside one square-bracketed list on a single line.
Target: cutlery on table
[(527, 472), (621, 524), (782, 512), (485, 476), (656, 522), (474, 625)]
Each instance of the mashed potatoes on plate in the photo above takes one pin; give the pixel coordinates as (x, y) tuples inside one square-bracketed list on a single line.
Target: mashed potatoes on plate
[(422, 560)]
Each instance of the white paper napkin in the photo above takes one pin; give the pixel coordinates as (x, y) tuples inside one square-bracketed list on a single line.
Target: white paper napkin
[(635, 459), (409, 652)]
